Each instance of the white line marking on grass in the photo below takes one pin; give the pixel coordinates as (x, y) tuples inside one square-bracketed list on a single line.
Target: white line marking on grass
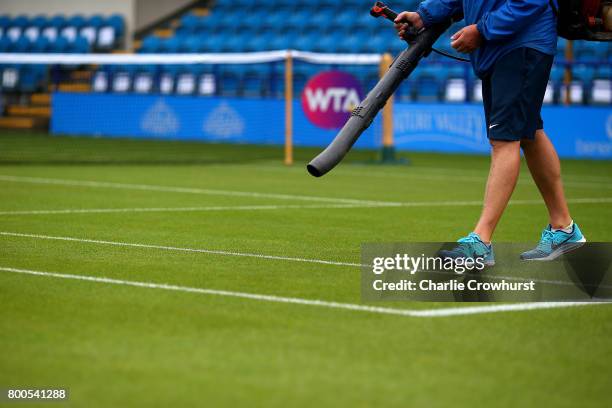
[(251, 255), (514, 307), (171, 248), (187, 190), (444, 312), (287, 207), (453, 176), (184, 209), (355, 203)]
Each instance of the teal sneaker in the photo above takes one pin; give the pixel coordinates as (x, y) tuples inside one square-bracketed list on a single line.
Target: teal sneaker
[(553, 244), (471, 247)]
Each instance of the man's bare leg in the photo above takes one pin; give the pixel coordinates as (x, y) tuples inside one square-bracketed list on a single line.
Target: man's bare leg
[(503, 175), (545, 169)]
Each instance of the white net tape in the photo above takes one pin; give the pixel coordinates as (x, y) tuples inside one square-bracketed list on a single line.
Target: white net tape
[(163, 59)]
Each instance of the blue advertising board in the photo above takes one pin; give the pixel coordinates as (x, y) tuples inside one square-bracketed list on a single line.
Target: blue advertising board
[(169, 117), (577, 132), (222, 120)]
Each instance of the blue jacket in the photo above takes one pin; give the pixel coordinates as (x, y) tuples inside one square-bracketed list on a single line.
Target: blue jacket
[(504, 24)]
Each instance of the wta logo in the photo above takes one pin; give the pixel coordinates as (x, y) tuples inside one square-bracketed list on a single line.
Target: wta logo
[(330, 97)]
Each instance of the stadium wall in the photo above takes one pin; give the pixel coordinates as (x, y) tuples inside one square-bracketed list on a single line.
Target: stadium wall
[(137, 13), (577, 132), (127, 8), (150, 11)]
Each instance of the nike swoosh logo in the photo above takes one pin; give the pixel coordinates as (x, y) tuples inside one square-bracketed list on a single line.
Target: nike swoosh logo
[(555, 246), (492, 126)]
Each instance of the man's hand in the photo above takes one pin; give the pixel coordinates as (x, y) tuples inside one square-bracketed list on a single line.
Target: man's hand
[(405, 20), (467, 39)]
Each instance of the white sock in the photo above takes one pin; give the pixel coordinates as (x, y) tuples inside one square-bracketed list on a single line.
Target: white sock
[(567, 230)]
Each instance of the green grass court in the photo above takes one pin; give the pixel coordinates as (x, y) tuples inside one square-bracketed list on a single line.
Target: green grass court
[(133, 210)]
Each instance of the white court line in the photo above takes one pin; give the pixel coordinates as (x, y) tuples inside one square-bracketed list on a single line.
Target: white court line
[(349, 203), (455, 311), (183, 209), (171, 248), (248, 255), (481, 178), (287, 207), (187, 190)]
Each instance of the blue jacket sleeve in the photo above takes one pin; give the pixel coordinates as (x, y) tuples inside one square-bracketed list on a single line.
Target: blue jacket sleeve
[(510, 18), (436, 11)]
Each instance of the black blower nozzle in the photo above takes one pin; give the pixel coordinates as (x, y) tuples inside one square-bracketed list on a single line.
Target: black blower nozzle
[(364, 114)]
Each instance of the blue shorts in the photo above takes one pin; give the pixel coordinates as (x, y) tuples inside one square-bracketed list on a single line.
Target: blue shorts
[(513, 92)]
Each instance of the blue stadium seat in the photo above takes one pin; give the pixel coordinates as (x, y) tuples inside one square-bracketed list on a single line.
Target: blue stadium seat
[(143, 81), (4, 22), (53, 27), (21, 21), (428, 81), (60, 45), (31, 77), (16, 27), (254, 83), (170, 45), (58, 21), (282, 43), (117, 22), (109, 31), (322, 18), (212, 44), (41, 45), (235, 43), (374, 44), (210, 24), (344, 18), (554, 86), (259, 42), (80, 45), (190, 23), (96, 21), (72, 27), (122, 78), (305, 42), (20, 46), (557, 73), (10, 77), (604, 72), (35, 27), (150, 45), (325, 44), (229, 83), (5, 44), (191, 44), (91, 28), (582, 77), (297, 19), (561, 46), (583, 73), (349, 45), (39, 21), (76, 20)]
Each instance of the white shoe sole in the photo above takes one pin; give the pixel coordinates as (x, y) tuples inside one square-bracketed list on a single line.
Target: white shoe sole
[(564, 249)]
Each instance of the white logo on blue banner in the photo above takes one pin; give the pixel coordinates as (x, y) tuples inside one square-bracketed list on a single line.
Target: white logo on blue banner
[(160, 120), (429, 126), (223, 122)]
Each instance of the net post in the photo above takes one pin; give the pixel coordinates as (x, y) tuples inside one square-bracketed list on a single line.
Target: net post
[(387, 115), (388, 144), (288, 109), (567, 75)]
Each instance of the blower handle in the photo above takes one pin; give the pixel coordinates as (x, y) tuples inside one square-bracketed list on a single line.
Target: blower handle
[(380, 9)]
